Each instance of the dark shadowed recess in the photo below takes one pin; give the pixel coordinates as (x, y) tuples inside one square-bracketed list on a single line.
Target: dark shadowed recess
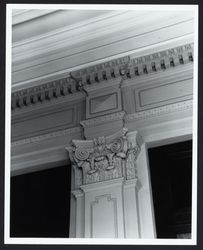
[(171, 177), (40, 203)]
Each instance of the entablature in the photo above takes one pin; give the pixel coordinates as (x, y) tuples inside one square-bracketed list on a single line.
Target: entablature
[(127, 68)]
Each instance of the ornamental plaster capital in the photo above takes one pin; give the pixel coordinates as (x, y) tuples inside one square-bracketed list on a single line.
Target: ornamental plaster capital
[(105, 158)]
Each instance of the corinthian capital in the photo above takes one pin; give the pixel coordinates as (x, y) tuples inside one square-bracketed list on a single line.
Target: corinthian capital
[(105, 158)]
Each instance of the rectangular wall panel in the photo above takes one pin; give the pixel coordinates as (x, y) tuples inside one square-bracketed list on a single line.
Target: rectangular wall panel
[(159, 95), (104, 217), (103, 103), (44, 124)]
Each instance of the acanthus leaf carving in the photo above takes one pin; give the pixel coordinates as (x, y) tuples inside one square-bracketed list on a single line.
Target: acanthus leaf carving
[(104, 158)]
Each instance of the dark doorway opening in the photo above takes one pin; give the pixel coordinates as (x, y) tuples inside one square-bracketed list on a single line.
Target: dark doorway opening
[(40, 203), (171, 178)]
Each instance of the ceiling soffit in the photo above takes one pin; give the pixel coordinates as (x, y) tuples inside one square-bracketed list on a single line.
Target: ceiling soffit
[(102, 38), (35, 25), (20, 16)]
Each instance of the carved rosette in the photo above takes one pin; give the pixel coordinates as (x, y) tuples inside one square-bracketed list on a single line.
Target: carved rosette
[(105, 158)]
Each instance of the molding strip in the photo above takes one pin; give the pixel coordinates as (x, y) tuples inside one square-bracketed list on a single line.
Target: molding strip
[(179, 106), (103, 119), (46, 136)]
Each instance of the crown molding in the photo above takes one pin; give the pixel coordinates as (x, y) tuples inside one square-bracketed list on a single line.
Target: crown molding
[(126, 67), (103, 119), (45, 105), (75, 63), (169, 75), (154, 112), (43, 137), (130, 66)]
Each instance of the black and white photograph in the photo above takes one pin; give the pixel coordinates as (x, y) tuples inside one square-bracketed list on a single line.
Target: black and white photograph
[(101, 124)]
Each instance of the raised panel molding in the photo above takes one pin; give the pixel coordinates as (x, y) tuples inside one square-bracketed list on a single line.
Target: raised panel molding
[(47, 118), (42, 124), (111, 192), (104, 224), (101, 104), (163, 94)]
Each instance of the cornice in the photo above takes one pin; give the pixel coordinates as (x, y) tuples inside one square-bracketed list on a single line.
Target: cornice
[(179, 106), (129, 66), (46, 136), (126, 67), (47, 105), (103, 119)]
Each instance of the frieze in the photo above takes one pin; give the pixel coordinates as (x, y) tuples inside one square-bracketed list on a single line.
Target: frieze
[(175, 107), (125, 67), (104, 158), (159, 111), (103, 119), (43, 137)]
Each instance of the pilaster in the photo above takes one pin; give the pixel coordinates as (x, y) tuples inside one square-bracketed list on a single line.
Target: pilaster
[(105, 177)]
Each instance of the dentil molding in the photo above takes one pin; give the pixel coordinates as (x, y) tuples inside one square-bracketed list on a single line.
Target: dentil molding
[(126, 67)]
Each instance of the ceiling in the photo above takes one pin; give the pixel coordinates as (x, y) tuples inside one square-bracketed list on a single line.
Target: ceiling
[(31, 23), (49, 43)]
